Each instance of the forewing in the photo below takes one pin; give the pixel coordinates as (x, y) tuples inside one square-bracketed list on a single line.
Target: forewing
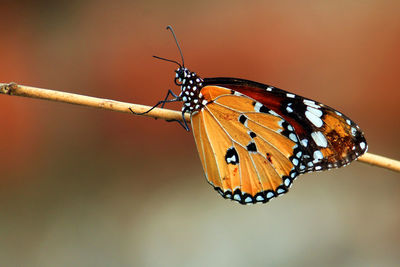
[(328, 138)]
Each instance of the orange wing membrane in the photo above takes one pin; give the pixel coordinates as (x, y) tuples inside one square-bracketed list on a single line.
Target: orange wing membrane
[(245, 155)]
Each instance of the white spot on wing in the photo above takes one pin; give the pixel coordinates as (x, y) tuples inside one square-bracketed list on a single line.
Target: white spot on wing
[(315, 111), (260, 198), (290, 95), (314, 119), (280, 191), (353, 131), (362, 145), (257, 106), (273, 113), (231, 159), (317, 155), (319, 139), (293, 137), (310, 103), (304, 142), (248, 200)]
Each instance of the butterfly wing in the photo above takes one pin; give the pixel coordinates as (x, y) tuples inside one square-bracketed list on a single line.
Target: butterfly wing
[(253, 139), (246, 155), (329, 139)]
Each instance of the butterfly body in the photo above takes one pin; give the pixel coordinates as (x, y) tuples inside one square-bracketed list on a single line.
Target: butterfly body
[(191, 85), (254, 139)]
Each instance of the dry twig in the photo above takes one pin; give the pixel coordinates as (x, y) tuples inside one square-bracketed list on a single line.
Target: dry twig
[(166, 114)]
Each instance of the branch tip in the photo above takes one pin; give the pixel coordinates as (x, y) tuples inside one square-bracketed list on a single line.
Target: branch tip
[(8, 88)]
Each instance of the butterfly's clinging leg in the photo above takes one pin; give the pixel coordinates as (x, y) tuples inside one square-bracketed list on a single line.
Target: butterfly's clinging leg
[(170, 93), (184, 121), (183, 124), (166, 100)]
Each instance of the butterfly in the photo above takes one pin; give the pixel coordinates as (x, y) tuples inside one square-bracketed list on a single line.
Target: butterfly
[(254, 139)]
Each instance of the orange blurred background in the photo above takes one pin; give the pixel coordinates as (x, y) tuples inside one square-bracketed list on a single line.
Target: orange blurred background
[(86, 187)]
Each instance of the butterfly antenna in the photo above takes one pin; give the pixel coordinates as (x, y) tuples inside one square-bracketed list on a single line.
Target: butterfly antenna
[(169, 60), (177, 44)]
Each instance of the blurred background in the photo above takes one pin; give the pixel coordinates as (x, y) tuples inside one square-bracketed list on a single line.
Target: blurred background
[(86, 187)]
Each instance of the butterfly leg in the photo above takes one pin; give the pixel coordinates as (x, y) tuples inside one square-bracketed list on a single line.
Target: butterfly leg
[(184, 123), (162, 103), (176, 97)]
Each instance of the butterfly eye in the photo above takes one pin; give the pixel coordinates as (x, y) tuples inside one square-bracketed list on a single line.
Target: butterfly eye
[(179, 77)]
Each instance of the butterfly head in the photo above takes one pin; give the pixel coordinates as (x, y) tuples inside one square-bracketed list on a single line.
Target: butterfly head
[(189, 82), (185, 77), (181, 74)]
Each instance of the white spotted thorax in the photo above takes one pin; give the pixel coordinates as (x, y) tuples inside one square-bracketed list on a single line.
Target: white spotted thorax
[(191, 85)]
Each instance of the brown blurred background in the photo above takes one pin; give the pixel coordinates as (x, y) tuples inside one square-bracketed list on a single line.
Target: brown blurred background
[(85, 187)]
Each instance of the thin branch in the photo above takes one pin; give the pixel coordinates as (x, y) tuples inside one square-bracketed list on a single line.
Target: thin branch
[(82, 100), (166, 114), (380, 161)]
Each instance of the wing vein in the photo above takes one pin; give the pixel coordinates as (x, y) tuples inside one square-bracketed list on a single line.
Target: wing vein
[(202, 146), (255, 168), (213, 150)]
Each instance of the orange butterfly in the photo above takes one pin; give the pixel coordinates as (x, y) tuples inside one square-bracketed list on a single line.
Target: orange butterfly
[(254, 139)]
